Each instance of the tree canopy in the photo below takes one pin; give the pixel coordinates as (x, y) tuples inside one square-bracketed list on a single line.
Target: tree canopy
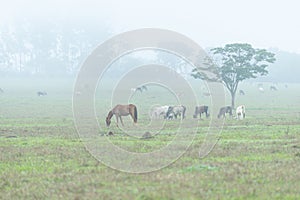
[(235, 63)]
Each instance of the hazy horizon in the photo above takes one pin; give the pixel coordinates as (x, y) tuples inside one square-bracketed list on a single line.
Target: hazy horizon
[(264, 24)]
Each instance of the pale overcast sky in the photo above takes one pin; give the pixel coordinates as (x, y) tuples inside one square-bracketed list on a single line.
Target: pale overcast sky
[(262, 23)]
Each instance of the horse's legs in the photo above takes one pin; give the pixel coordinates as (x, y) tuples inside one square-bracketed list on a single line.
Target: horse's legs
[(117, 117), (156, 115), (121, 120), (153, 115)]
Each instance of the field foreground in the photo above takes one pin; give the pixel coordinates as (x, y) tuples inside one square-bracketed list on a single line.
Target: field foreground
[(42, 156)]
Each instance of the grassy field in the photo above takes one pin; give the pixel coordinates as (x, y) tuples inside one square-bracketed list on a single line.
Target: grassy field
[(42, 157)]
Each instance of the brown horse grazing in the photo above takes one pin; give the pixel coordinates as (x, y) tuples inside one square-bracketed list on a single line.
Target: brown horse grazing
[(199, 110), (122, 110)]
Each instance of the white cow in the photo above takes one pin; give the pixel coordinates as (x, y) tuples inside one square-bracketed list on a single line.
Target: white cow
[(240, 112)]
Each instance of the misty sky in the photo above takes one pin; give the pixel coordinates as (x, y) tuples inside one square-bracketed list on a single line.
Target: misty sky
[(262, 23)]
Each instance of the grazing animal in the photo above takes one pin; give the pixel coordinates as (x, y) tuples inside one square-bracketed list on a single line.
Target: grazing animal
[(78, 93), (286, 86), (176, 111), (41, 93), (139, 89), (273, 88), (206, 94), (122, 110), (224, 110), (158, 111), (240, 112), (144, 87), (199, 110), (241, 92)]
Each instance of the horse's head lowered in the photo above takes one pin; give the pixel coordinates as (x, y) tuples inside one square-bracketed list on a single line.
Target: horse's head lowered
[(108, 121)]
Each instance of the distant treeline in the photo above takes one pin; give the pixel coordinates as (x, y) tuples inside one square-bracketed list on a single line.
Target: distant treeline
[(31, 47), (285, 69), (57, 48)]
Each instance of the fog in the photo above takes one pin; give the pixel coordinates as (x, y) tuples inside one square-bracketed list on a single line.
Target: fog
[(53, 38)]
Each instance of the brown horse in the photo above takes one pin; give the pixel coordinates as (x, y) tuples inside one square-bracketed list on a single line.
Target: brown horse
[(122, 110)]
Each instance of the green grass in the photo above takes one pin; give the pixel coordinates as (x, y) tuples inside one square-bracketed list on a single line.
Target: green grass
[(42, 157)]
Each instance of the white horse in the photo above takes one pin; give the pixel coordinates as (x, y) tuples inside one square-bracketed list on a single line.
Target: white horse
[(240, 112), (158, 111)]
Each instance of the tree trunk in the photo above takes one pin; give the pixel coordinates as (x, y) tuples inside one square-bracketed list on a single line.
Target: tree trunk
[(232, 99)]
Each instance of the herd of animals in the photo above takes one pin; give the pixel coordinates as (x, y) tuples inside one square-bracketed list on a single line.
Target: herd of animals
[(170, 112)]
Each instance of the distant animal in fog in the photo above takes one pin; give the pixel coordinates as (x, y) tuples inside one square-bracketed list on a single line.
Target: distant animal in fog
[(273, 88), (206, 94), (241, 92), (240, 112), (224, 110), (122, 110), (41, 93), (139, 89), (261, 89), (199, 110), (260, 85), (78, 93), (175, 111), (144, 87)]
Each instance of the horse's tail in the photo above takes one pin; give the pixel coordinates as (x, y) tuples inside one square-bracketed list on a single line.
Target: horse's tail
[(135, 114)]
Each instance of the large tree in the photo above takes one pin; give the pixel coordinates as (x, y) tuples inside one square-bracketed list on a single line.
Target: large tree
[(235, 63)]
